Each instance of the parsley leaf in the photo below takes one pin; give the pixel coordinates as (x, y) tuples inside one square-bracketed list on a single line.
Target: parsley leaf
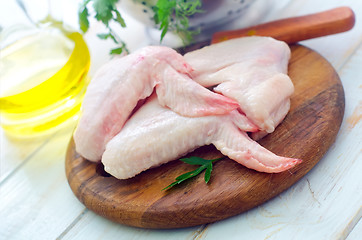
[(117, 50), (205, 165), (119, 19), (83, 15), (103, 9)]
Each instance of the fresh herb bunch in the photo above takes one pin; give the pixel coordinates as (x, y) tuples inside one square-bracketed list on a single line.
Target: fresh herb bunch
[(204, 165), (169, 15), (174, 15)]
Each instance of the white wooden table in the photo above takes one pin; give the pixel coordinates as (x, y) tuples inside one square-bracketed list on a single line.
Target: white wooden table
[(37, 203)]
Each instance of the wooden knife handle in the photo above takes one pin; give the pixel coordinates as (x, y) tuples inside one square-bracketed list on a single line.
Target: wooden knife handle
[(296, 29)]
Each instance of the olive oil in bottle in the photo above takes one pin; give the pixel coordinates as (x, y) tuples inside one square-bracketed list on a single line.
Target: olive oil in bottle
[(43, 78)]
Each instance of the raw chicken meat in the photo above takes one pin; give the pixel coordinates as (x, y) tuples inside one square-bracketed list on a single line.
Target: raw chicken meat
[(252, 71), (181, 115), (155, 135), (119, 85)]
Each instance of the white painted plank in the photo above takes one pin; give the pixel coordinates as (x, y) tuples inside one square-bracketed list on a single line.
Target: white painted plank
[(356, 233), (326, 203), (92, 226), (36, 201), (13, 152)]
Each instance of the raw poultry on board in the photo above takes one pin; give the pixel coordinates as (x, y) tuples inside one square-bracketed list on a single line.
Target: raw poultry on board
[(249, 76)]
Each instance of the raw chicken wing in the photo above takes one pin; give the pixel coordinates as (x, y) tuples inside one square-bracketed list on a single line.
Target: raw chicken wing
[(250, 70), (155, 135), (119, 85)]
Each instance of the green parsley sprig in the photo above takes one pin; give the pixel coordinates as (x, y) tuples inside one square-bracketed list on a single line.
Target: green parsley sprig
[(105, 12), (204, 165), (169, 15)]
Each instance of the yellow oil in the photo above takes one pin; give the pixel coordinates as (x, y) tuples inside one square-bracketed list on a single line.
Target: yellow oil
[(43, 78)]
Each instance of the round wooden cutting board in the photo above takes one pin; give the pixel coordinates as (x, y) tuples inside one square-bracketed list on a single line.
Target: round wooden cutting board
[(307, 132)]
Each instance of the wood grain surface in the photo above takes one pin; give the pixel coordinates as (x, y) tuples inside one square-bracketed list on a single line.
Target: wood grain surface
[(311, 126), (295, 29), (290, 30)]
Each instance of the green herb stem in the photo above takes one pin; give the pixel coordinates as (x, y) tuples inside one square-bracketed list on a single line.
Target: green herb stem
[(204, 165)]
